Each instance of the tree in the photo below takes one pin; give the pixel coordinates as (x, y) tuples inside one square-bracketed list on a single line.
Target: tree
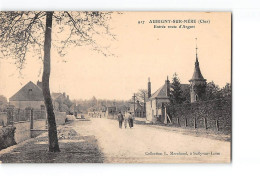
[(176, 93), (93, 102), (212, 91), (142, 95), (3, 102), (186, 94), (226, 91), (31, 32), (68, 103)]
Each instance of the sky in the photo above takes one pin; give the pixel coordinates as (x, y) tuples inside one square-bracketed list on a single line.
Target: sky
[(140, 50)]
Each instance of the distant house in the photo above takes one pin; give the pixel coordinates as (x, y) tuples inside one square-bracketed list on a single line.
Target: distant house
[(61, 102), (122, 108), (138, 109), (111, 112), (29, 95)]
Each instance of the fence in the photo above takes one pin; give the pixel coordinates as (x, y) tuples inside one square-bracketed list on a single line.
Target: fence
[(215, 115), (24, 115)]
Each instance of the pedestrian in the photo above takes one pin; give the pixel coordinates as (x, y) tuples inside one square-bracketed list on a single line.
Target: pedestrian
[(131, 120), (120, 119), (126, 119)]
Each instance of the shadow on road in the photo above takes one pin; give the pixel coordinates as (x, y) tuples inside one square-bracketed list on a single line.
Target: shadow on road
[(74, 149)]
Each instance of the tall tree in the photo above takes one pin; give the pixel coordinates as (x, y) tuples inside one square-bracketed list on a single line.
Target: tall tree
[(31, 32), (226, 91), (176, 93), (212, 91)]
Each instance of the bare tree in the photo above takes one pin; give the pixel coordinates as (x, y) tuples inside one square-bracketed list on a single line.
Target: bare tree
[(32, 32), (142, 95)]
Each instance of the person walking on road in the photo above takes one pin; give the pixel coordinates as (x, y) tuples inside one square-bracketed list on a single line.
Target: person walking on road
[(120, 119), (126, 119), (131, 120)]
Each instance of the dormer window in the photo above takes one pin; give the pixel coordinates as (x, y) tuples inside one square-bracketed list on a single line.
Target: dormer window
[(30, 91)]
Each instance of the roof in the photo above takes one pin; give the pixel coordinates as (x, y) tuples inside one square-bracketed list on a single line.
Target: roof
[(160, 93), (29, 92), (54, 96), (197, 73)]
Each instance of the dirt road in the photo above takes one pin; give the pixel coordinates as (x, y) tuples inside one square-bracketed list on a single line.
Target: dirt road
[(145, 144)]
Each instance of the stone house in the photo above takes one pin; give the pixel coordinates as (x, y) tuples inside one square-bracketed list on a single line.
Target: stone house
[(61, 102), (29, 95)]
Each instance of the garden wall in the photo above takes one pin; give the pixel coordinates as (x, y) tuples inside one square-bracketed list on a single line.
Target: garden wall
[(215, 115), (3, 119)]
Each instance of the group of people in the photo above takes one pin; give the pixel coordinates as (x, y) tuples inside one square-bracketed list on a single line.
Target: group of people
[(127, 118)]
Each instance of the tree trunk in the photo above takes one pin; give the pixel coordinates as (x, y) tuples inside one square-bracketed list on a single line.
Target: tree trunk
[(52, 129)]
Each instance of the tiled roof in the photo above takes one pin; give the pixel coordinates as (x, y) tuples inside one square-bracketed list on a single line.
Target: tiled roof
[(160, 93), (29, 92)]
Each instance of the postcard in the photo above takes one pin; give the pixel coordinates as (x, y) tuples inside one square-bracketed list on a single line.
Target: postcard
[(115, 87)]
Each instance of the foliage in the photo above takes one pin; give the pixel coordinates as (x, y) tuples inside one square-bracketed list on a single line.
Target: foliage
[(176, 93), (101, 104), (3, 102), (212, 91), (22, 32), (226, 91), (7, 137)]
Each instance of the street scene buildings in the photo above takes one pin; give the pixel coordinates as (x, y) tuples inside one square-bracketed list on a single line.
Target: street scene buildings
[(161, 100)]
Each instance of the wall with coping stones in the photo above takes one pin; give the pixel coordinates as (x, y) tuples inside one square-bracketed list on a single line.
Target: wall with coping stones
[(21, 131)]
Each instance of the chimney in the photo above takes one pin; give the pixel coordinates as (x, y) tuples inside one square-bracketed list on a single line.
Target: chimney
[(167, 82), (39, 84), (64, 94), (149, 88), (68, 97)]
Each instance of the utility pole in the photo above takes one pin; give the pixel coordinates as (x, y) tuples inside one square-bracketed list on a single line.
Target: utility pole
[(144, 110), (134, 103)]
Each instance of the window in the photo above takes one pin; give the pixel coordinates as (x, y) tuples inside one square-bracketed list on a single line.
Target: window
[(196, 97), (30, 91)]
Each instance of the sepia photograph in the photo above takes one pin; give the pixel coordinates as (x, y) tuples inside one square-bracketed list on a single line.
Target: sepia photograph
[(115, 87)]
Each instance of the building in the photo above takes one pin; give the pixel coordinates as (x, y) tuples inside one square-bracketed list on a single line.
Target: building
[(61, 102), (138, 109), (122, 108), (111, 112), (29, 95), (197, 83), (156, 100), (156, 103)]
